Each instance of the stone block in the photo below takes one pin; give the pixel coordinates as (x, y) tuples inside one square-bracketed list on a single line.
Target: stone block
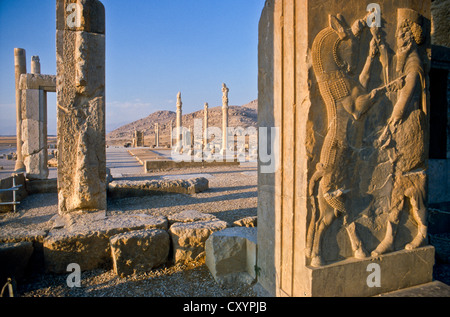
[(190, 216), (231, 256), (248, 222), (42, 186), (139, 251), (351, 278), (14, 258), (188, 239), (126, 188), (84, 238), (38, 82)]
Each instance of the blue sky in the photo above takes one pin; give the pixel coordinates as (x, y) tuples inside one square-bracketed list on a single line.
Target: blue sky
[(154, 48)]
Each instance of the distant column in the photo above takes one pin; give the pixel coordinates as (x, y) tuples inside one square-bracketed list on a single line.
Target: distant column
[(225, 91), (171, 133), (205, 134), (157, 135), (179, 121), (35, 65), (20, 65)]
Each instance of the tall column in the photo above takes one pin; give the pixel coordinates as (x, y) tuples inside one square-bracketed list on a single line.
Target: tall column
[(353, 147), (35, 65), (20, 65), (157, 135), (179, 122), (171, 134), (225, 91), (80, 52), (205, 123)]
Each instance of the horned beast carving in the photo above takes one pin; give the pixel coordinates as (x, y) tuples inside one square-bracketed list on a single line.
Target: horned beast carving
[(335, 57)]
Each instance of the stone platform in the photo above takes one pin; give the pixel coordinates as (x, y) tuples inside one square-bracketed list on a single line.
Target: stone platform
[(155, 160)]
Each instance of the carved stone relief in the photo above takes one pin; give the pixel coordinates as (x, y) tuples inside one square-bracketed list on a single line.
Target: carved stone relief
[(369, 157)]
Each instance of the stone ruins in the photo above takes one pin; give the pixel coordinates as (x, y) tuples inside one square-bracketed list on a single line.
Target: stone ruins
[(138, 139), (348, 89), (80, 51), (354, 132), (31, 94)]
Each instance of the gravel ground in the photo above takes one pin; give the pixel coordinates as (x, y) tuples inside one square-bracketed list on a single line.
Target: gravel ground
[(191, 280), (232, 196)]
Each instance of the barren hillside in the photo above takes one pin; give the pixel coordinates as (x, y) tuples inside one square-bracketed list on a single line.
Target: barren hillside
[(239, 116)]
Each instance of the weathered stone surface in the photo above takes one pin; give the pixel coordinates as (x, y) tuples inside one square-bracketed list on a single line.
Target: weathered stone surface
[(38, 82), (84, 239), (80, 54), (139, 251), (20, 68), (138, 139), (249, 222), (231, 255), (126, 188), (399, 270), (350, 99), (190, 216), (188, 239), (14, 258), (42, 186), (440, 11)]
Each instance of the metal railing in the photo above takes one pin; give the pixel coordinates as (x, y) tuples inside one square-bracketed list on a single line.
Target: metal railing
[(13, 189)]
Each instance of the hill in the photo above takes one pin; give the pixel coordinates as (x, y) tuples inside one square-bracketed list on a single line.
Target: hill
[(239, 116)]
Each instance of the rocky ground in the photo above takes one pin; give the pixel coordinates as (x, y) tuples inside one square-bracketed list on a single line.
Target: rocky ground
[(232, 196)]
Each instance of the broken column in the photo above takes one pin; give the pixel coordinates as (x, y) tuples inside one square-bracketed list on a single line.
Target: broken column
[(35, 65), (179, 127), (345, 213), (20, 66), (225, 91), (80, 50)]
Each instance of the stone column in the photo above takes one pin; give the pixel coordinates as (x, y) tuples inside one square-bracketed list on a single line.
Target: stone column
[(225, 91), (353, 122), (35, 65), (171, 134), (179, 122), (157, 135), (80, 51), (20, 65), (205, 123)]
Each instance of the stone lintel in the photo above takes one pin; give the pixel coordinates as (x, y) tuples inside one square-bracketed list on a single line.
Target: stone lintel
[(38, 81)]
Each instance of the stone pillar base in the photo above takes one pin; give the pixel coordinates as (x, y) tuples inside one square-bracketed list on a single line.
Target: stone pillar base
[(353, 278)]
